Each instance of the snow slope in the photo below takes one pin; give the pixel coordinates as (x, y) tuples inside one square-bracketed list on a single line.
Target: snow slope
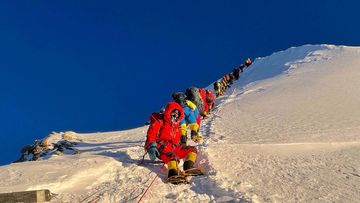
[(286, 131)]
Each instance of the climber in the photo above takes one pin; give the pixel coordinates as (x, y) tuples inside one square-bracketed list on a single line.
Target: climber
[(163, 141), (236, 73), (217, 88), (232, 77), (229, 78), (248, 62), (224, 85), (210, 99), (205, 105), (242, 66), (191, 116), (193, 94)]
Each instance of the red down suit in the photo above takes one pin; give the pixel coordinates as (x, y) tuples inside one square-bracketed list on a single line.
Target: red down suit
[(167, 134)]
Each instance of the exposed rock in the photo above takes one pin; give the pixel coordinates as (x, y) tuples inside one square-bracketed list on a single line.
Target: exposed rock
[(53, 144), (26, 149)]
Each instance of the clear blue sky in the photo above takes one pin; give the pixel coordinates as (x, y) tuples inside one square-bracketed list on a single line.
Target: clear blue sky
[(93, 66)]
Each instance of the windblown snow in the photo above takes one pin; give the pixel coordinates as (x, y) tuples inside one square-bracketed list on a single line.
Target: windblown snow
[(286, 131)]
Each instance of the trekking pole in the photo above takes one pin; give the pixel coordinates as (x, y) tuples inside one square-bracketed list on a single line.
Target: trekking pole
[(143, 159)]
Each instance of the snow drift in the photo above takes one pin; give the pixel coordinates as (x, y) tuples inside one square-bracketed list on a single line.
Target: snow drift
[(286, 131)]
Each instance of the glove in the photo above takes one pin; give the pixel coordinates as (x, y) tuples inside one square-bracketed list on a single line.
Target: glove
[(153, 151)]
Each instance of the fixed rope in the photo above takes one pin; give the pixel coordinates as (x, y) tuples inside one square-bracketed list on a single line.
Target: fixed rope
[(156, 175)]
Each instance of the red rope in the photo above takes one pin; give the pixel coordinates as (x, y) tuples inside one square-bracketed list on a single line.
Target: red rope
[(147, 188)]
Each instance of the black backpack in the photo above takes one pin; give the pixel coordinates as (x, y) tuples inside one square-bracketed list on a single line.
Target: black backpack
[(215, 86), (193, 94), (180, 98)]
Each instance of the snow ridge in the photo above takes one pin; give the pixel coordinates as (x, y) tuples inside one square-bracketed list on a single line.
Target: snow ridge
[(280, 132)]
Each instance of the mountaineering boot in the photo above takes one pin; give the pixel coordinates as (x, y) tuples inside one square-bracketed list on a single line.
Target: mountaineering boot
[(189, 161), (205, 116), (196, 137), (173, 175), (173, 169), (188, 166), (173, 172), (194, 127)]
